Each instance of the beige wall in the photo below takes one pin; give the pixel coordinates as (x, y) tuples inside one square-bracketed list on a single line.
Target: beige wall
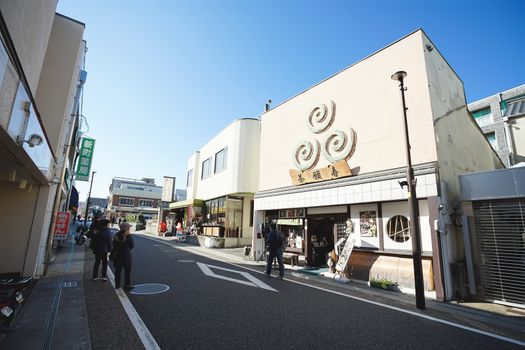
[(29, 23), (56, 90), (460, 144), (368, 101), (517, 127)]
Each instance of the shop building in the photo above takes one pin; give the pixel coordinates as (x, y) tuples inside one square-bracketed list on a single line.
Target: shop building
[(41, 79), (501, 117), (339, 163), (134, 197), (222, 178)]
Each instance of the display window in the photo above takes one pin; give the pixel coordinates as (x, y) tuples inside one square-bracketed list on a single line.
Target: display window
[(366, 225)]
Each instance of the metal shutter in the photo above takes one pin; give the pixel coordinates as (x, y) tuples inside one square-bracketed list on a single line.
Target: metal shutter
[(500, 230)]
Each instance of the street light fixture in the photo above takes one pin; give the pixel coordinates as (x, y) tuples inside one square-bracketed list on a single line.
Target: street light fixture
[(412, 202)]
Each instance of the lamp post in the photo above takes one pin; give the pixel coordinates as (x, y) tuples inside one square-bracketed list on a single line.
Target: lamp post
[(89, 198), (412, 202)]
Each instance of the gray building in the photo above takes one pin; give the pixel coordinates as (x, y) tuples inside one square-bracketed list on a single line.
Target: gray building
[(501, 117)]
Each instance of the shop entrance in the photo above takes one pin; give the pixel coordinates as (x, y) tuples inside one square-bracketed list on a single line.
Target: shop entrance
[(320, 237)]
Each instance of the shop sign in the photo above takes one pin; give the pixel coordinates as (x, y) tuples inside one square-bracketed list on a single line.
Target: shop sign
[(345, 254), (85, 158), (337, 147), (168, 189), (291, 213), (61, 225)]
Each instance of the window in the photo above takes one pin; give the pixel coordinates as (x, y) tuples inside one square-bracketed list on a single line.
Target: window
[(220, 160), (126, 201), (145, 203), (252, 205), (483, 117), (189, 179), (491, 138), (398, 228), (206, 167)]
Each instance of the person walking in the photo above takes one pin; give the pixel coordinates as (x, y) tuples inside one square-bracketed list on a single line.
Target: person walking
[(275, 249), (123, 244), (101, 245)]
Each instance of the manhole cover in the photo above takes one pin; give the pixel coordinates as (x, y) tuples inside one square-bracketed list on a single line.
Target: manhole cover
[(186, 261), (149, 288)]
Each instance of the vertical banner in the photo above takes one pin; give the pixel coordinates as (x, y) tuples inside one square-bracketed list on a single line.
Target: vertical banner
[(61, 226), (168, 189), (84, 159)]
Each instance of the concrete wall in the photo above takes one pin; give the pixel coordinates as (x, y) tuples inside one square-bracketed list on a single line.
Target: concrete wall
[(59, 78), (366, 100), (517, 128), (29, 23), (193, 164), (459, 142)]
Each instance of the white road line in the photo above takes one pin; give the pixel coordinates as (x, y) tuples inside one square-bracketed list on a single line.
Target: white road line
[(257, 282), (139, 325), (431, 318)]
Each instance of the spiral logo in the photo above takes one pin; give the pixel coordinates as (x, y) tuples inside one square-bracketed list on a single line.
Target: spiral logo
[(306, 155), (321, 117), (338, 146)]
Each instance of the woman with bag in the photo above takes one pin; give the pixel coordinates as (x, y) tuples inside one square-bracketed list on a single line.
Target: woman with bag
[(121, 255)]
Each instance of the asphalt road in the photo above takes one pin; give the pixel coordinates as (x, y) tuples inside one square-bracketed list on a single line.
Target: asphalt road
[(203, 312)]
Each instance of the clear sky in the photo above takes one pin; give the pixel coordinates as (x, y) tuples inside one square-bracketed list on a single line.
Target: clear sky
[(164, 77)]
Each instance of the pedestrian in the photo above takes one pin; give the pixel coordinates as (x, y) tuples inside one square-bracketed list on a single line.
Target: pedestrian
[(275, 241), (122, 259), (113, 221), (119, 221), (101, 245)]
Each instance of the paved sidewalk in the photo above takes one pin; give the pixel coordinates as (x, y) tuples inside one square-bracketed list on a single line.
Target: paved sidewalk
[(54, 316)]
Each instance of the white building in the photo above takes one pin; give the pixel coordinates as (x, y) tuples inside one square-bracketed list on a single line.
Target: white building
[(222, 178), (133, 196), (340, 156)]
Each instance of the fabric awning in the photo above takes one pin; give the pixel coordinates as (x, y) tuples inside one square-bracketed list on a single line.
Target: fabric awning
[(187, 203)]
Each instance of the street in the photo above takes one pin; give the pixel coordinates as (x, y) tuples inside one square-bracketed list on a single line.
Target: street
[(201, 310)]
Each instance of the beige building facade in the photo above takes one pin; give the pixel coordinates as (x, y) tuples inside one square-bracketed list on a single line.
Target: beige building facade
[(334, 155), (41, 59)]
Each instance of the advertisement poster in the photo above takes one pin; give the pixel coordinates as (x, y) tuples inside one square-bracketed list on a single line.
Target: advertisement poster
[(61, 225), (368, 223)]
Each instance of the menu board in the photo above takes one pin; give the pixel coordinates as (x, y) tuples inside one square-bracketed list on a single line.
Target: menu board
[(345, 254)]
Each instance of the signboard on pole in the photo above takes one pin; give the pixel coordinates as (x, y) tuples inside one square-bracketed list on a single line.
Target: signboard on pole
[(168, 189), (61, 225), (84, 159)]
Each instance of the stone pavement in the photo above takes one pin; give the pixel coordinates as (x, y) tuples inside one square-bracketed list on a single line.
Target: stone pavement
[(68, 310)]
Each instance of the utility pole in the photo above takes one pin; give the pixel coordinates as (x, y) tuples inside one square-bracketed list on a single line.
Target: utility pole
[(412, 203), (89, 197)]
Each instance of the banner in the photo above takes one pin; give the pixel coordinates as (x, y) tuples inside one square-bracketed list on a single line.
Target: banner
[(84, 159), (168, 189), (61, 225)]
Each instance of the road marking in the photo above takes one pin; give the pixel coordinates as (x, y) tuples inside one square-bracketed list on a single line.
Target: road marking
[(431, 318), (140, 327), (252, 281)]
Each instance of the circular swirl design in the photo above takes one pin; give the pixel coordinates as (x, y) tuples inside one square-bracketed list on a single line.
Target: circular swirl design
[(338, 146), (306, 155), (321, 117)]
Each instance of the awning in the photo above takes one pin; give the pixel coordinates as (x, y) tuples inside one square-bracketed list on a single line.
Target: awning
[(73, 199), (187, 203)]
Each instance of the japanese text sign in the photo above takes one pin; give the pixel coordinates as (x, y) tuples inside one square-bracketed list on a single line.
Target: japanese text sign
[(84, 159), (61, 225)]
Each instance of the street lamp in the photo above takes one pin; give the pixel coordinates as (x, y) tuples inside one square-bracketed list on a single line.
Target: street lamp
[(412, 202), (89, 197)]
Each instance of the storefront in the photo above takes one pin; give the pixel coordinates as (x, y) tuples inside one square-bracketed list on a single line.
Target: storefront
[(339, 168)]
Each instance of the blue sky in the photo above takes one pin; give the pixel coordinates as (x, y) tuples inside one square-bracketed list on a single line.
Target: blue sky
[(164, 77)]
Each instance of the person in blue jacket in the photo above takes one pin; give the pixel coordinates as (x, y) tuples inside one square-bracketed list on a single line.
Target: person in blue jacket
[(101, 245), (122, 259), (275, 240)]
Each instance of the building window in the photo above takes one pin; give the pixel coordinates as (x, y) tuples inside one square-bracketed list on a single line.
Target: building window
[(483, 117), (126, 201), (491, 138), (145, 203), (206, 167), (252, 205), (189, 179), (220, 160), (398, 228)]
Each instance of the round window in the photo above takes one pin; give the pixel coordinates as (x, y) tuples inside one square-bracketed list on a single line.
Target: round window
[(398, 228)]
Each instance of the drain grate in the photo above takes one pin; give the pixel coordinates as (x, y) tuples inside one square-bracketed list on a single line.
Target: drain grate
[(149, 288)]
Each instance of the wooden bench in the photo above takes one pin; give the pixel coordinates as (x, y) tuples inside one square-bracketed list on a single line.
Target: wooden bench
[(294, 258)]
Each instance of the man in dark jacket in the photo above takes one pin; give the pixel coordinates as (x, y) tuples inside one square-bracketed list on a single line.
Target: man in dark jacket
[(123, 244), (101, 245), (275, 241)]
